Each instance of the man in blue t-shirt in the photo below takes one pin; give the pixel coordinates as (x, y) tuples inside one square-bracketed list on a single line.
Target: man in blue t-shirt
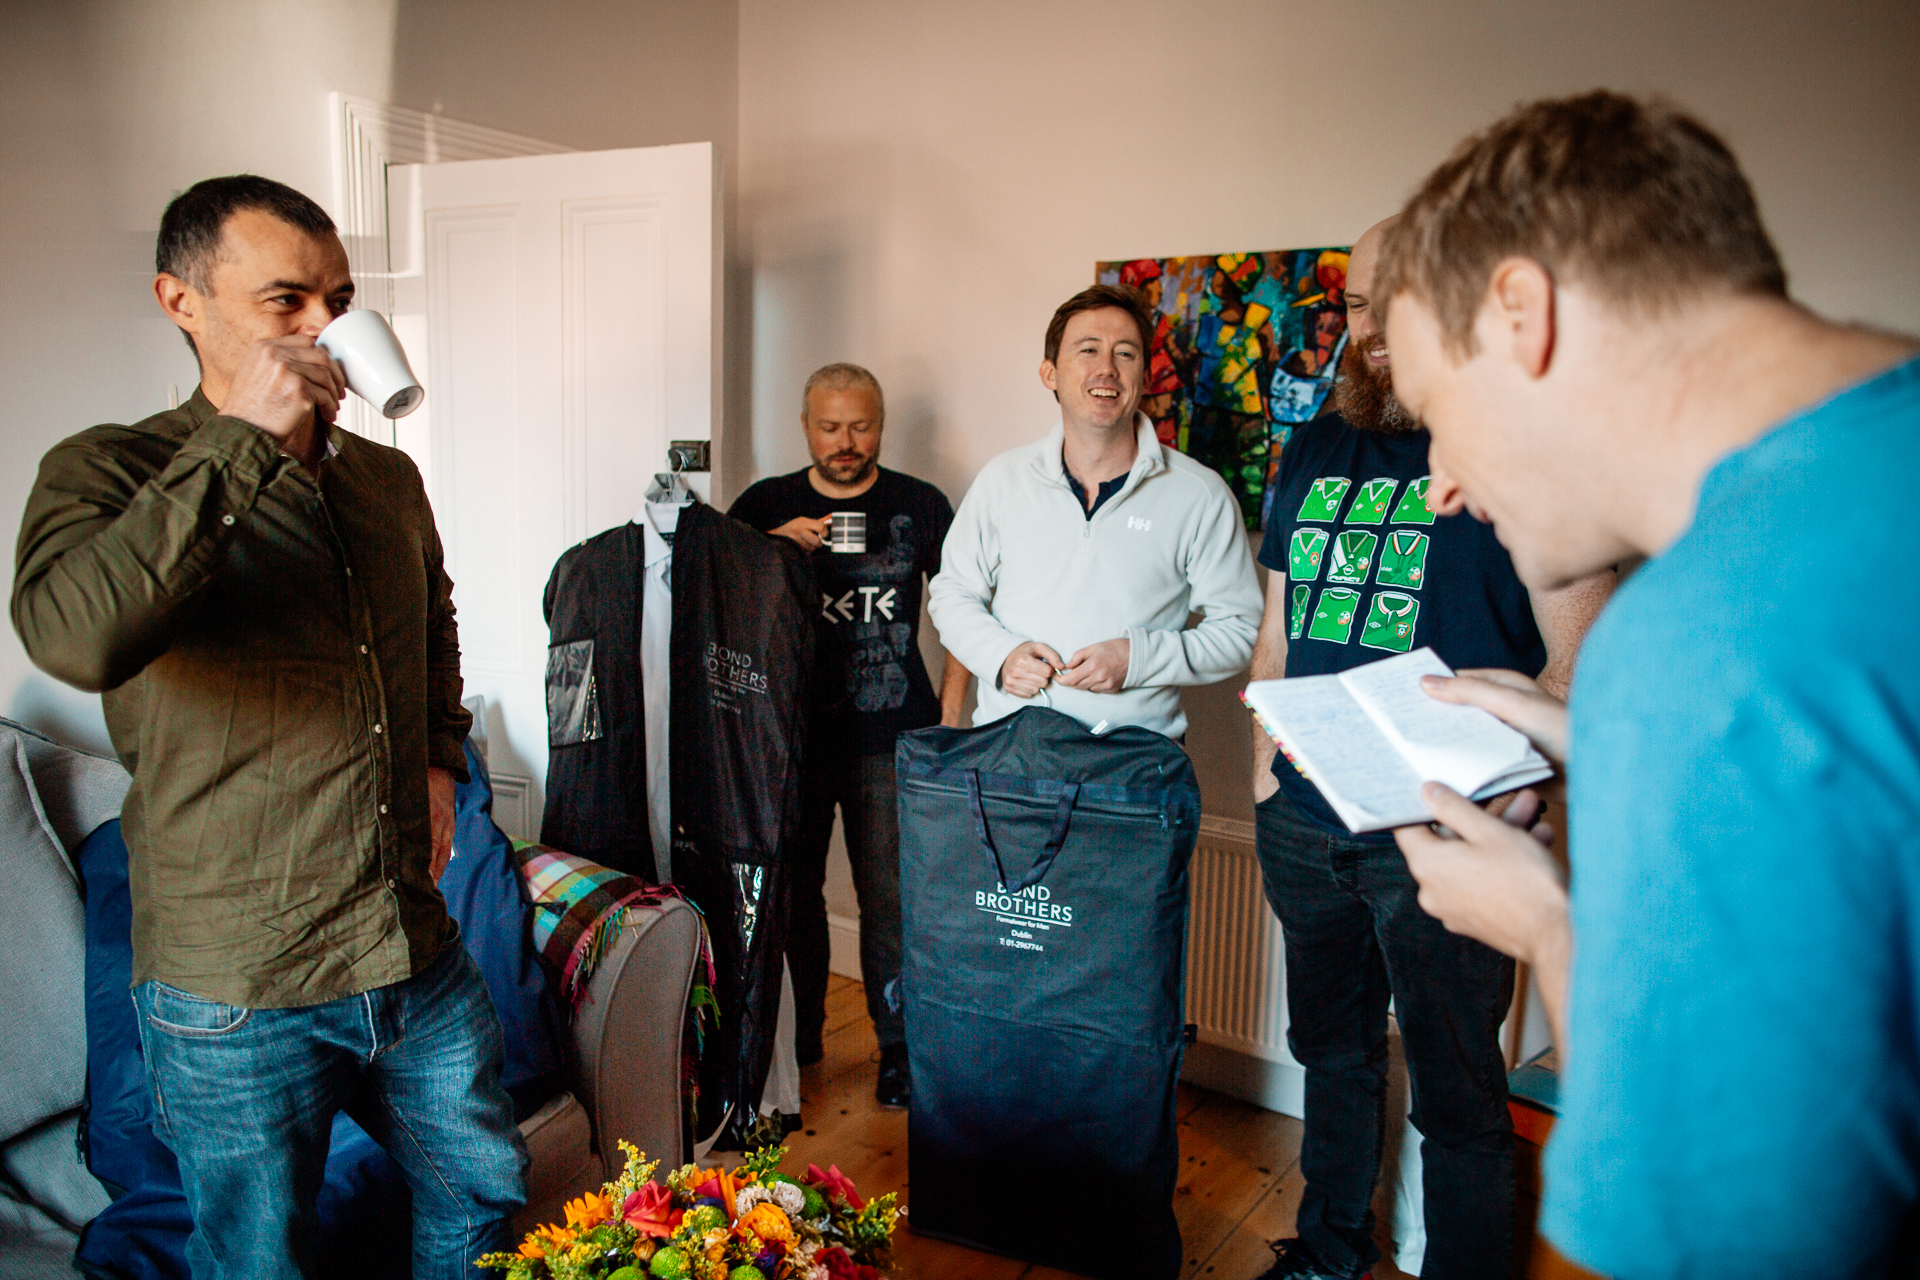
[(1360, 568), (1620, 372)]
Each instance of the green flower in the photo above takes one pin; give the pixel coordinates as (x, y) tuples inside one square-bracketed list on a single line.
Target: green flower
[(669, 1264), (703, 1218)]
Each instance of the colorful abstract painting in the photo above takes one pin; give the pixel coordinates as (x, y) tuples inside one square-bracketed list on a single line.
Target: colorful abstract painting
[(1245, 347)]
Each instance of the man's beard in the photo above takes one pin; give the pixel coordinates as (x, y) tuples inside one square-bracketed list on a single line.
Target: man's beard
[(841, 470), (1364, 395)]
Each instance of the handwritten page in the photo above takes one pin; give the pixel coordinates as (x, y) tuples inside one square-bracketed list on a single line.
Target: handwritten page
[(1340, 749), (1463, 747), (1370, 736)]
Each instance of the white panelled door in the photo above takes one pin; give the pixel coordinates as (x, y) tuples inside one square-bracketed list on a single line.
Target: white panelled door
[(571, 321)]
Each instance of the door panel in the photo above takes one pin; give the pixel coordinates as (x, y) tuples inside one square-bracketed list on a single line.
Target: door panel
[(571, 315)]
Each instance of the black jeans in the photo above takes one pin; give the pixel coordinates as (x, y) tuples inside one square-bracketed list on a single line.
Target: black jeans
[(1355, 937), (861, 787)]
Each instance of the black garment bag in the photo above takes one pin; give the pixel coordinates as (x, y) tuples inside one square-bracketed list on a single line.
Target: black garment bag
[(742, 660), (1043, 884), (596, 728)]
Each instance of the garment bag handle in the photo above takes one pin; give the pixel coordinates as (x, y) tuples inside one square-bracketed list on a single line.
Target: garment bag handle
[(1062, 818)]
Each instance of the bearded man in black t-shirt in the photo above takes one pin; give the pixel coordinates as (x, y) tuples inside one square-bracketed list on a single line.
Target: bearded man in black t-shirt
[(1361, 569), (876, 537)]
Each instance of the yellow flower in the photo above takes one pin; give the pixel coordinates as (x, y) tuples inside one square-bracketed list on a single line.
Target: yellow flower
[(769, 1222), (590, 1210)]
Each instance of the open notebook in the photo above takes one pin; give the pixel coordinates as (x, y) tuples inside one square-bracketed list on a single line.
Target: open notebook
[(1369, 737)]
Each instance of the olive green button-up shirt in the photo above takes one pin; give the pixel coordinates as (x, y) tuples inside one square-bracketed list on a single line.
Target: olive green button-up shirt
[(280, 666)]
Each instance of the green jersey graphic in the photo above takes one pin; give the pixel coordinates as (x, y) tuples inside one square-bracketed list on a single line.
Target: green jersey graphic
[(1333, 617), (1413, 504), (1403, 561), (1323, 499), (1390, 622), (1300, 594), (1303, 554), (1370, 504), (1352, 556)]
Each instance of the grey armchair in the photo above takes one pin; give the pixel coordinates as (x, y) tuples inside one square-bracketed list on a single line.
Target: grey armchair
[(626, 1037)]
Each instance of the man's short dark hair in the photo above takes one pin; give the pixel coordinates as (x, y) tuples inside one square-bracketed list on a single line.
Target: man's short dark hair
[(1635, 200), (1095, 298), (190, 229)]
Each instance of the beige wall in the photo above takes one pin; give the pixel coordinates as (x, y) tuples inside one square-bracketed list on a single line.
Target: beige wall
[(921, 184), (108, 108)]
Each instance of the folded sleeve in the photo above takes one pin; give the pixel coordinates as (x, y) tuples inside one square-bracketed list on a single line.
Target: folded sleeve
[(960, 597)]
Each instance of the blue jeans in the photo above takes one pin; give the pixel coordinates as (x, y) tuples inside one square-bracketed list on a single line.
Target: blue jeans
[(246, 1099), (1356, 937)]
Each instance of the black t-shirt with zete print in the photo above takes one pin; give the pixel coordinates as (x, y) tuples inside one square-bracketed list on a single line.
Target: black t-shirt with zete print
[(1370, 572), (873, 683)]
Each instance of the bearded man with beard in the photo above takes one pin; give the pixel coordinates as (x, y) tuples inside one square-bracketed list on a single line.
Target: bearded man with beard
[(872, 686), (1360, 568)]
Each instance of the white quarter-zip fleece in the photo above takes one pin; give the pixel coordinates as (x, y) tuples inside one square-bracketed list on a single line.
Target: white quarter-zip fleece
[(1023, 562)]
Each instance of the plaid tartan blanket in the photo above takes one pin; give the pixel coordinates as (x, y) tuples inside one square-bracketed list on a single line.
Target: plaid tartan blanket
[(578, 908)]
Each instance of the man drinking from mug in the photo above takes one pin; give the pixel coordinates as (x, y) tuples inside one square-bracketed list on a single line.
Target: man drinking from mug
[(259, 597)]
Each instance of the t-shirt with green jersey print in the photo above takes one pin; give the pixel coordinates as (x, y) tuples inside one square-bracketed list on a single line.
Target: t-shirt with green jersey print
[(1371, 572)]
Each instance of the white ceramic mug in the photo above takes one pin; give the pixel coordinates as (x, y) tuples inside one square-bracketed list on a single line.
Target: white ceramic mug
[(375, 364), (847, 532)]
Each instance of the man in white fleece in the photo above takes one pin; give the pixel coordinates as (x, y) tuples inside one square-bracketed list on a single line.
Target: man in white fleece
[(1097, 543)]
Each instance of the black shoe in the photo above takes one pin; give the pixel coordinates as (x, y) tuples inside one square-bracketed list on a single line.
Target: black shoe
[(895, 1090), (1293, 1262)]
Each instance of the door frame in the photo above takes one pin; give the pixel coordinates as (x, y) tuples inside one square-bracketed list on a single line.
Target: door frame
[(369, 138)]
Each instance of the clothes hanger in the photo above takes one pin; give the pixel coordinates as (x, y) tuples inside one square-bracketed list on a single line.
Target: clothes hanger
[(667, 489)]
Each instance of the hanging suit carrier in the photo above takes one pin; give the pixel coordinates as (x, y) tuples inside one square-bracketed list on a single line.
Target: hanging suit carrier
[(1043, 884), (743, 650)]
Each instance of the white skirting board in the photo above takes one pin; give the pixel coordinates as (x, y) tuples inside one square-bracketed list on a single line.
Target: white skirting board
[(843, 936)]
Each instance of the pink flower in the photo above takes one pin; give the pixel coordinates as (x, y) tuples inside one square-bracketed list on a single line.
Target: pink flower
[(649, 1210), (834, 1182)]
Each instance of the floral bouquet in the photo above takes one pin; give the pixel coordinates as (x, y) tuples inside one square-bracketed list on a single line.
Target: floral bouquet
[(755, 1223)]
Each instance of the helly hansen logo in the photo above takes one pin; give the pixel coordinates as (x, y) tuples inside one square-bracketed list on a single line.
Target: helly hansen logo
[(1135, 522)]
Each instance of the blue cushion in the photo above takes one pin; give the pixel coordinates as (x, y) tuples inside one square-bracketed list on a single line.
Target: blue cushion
[(364, 1206), (485, 893)]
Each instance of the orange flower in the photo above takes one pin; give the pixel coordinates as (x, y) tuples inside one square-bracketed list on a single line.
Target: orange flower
[(769, 1222), (589, 1211), (547, 1239)]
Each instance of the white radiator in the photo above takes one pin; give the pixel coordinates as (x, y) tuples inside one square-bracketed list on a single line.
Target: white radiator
[(1236, 975), (1237, 996)]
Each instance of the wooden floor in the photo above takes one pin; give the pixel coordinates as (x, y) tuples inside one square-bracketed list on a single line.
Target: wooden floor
[(1239, 1179)]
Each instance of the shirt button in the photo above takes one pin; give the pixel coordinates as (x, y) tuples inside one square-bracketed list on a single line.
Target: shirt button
[(393, 884), (376, 728), (226, 520), (349, 571), (383, 808), (363, 648)]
